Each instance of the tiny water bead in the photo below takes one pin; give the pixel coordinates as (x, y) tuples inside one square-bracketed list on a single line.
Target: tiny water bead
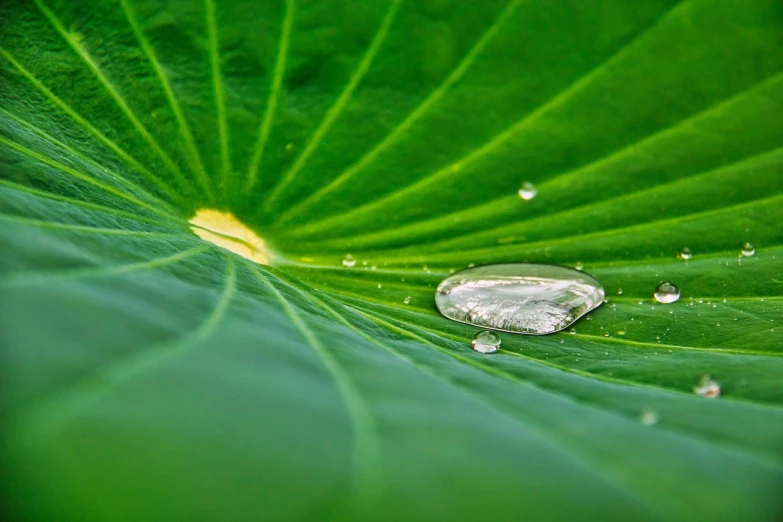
[(666, 293), (522, 298), (707, 387), (649, 417), (349, 261), (748, 249), (407, 300), (685, 253), (486, 341), (528, 191)]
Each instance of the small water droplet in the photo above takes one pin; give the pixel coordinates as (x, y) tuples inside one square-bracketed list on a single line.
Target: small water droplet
[(685, 253), (528, 191), (380, 285), (717, 324), (619, 291), (407, 300), (707, 387), (373, 267), (523, 298), (578, 266), (666, 293), (649, 417), (486, 341), (621, 332), (562, 341), (606, 334), (748, 249), (349, 261)]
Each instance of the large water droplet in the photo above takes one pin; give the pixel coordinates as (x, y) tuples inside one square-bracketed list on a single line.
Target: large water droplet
[(685, 253), (748, 249), (523, 298), (666, 293), (486, 342), (349, 261), (527, 191)]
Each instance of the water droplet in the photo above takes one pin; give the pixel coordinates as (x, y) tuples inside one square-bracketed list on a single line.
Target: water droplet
[(524, 298), (619, 291), (685, 253), (380, 285), (578, 266), (486, 342), (748, 249), (407, 300), (527, 191), (666, 293), (649, 417), (289, 147), (373, 267), (349, 261), (707, 387)]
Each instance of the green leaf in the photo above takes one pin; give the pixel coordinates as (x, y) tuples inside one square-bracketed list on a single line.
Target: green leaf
[(150, 375)]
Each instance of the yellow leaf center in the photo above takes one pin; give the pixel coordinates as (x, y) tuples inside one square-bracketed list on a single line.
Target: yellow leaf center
[(226, 231)]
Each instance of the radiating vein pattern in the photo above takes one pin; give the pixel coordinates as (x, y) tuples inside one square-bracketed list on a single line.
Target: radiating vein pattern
[(376, 148)]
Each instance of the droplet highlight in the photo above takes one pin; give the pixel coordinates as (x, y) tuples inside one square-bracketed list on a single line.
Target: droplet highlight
[(349, 261), (685, 254), (666, 293), (522, 298), (748, 249), (527, 191), (486, 341)]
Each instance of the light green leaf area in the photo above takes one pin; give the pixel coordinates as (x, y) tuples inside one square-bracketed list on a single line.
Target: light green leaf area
[(146, 374)]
